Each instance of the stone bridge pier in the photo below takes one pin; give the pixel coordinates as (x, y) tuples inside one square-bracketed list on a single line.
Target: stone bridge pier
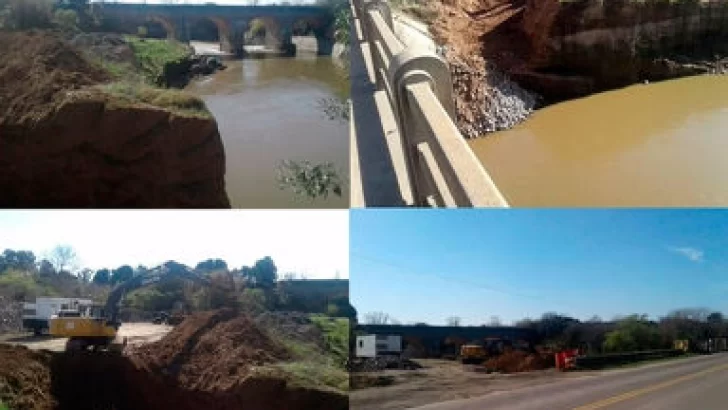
[(233, 23)]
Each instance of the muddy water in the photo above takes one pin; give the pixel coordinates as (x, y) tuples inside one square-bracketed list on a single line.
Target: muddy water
[(270, 110), (663, 144)]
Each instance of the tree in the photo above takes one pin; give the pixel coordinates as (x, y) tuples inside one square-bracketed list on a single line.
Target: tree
[(45, 268), (633, 333), (121, 274), (66, 19), (377, 318), (21, 260), (263, 274), (212, 264), (715, 317), (453, 321), (63, 257), (85, 275), (102, 277)]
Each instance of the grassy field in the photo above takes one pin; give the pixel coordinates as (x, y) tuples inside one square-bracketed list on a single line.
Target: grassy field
[(314, 368)]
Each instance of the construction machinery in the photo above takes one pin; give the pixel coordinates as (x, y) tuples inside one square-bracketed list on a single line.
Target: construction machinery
[(97, 326), (478, 351)]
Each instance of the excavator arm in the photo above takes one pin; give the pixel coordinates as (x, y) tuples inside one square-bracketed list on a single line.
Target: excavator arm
[(154, 275)]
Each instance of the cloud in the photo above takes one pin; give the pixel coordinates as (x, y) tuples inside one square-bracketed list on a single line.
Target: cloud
[(695, 255)]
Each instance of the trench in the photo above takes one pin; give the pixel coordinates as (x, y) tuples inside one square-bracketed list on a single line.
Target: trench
[(107, 381)]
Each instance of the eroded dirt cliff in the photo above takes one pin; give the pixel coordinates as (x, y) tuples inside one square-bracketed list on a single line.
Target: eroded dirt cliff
[(68, 141), (562, 50)]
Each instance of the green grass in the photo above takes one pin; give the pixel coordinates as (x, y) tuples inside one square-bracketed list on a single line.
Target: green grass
[(154, 56), (3, 406), (336, 335), (310, 366), (178, 102)]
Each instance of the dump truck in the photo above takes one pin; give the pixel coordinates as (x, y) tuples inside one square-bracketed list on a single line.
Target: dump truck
[(97, 326)]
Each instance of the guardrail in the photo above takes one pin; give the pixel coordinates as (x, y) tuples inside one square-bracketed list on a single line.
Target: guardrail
[(601, 361), (442, 170)]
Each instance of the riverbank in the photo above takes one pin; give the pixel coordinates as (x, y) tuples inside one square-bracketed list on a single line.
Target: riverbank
[(510, 57), (78, 133)]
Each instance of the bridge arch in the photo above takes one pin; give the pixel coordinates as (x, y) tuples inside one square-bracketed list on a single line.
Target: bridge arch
[(269, 31), (303, 30), (166, 23)]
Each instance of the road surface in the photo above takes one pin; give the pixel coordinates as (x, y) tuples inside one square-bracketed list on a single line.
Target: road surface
[(699, 383)]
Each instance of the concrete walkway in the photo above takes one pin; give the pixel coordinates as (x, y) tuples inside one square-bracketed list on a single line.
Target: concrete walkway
[(378, 177)]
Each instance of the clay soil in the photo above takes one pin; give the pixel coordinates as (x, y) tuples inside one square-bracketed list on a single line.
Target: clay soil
[(35, 72), (515, 361), (25, 378), (209, 361)]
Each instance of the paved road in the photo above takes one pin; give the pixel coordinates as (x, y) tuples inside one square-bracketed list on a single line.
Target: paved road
[(699, 383)]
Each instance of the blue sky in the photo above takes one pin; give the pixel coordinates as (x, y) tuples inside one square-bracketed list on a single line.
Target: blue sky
[(426, 265)]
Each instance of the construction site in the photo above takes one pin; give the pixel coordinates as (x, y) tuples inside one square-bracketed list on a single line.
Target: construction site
[(401, 367), (230, 357)]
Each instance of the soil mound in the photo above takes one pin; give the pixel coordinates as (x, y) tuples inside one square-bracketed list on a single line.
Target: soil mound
[(25, 379), (35, 70), (518, 361), (213, 351)]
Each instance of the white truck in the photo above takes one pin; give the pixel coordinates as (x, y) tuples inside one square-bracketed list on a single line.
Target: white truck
[(36, 315)]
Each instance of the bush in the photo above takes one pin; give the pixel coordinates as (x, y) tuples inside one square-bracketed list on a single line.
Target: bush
[(26, 14), (66, 20)]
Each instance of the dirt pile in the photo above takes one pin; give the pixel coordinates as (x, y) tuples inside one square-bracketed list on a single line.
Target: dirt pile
[(292, 326), (212, 351), (108, 47), (514, 361), (209, 361), (216, 354), (65, 145), (25, 379), (36, 71)]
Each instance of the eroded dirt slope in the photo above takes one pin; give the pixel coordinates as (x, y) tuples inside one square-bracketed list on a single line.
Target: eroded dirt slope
[(67, 144)]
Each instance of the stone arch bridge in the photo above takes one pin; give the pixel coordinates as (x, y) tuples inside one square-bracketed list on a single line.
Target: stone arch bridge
[(232, 22)]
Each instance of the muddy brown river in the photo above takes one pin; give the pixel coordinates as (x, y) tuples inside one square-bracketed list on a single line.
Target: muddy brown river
[(663, 144), (270, 110)]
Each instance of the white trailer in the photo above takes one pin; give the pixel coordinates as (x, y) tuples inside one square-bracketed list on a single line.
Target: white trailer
[(378, 345), (36, 315)]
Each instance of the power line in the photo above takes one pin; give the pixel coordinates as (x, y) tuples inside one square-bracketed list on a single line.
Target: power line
[(459, 281)]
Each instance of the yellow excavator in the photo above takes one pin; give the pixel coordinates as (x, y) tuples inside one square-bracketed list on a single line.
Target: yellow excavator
[(97, 326)]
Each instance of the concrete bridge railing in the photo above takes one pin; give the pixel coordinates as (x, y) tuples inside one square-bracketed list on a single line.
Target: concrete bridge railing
[(442, 169)]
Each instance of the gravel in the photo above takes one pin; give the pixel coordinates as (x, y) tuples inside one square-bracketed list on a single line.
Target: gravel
[(486, 99)]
